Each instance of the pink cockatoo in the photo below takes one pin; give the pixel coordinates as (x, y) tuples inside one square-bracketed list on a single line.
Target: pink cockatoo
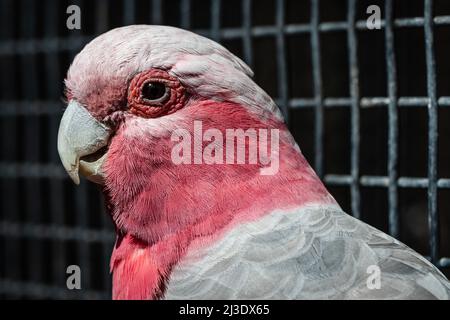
[(188, 228)]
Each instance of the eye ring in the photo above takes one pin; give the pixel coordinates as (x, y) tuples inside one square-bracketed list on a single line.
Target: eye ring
[(155, 92)]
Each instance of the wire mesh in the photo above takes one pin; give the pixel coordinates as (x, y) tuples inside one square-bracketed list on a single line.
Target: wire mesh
[(38, 203)]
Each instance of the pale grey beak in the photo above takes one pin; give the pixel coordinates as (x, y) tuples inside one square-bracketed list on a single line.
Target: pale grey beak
[(81, 138)]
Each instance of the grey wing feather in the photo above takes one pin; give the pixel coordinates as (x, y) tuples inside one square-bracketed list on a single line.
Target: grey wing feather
[(318, 253)]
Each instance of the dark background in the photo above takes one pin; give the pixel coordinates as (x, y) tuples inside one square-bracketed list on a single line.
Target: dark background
[(47, 224)]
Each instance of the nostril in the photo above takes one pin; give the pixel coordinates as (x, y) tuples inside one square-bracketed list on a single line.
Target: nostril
[(114, 119)]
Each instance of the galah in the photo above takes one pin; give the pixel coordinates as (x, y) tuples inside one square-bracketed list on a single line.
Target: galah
[(214, 229)]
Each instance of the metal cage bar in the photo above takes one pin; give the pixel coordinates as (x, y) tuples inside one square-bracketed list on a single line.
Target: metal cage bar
[(157, 12), (392, 121), (32, 136), (433, 217), (215, 19), (8, 77), (317, 83), (57, 200), (185, 14), (33, 46), (246, 31), (281, 59), (129, 12), (354, 106)]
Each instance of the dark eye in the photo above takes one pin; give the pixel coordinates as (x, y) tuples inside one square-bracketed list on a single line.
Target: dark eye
[(155, 92)]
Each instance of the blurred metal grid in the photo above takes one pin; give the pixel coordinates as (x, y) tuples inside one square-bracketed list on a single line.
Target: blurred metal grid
[(52, 45)]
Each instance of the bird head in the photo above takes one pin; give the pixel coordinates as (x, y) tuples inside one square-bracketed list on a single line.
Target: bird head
[(141, 77)]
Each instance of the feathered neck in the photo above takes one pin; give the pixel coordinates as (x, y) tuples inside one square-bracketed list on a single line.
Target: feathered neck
[(159, 207)]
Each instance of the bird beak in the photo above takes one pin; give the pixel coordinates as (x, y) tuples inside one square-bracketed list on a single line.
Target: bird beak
[(82, 142)]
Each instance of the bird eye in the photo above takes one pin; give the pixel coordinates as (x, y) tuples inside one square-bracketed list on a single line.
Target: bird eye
[(155, 92)]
